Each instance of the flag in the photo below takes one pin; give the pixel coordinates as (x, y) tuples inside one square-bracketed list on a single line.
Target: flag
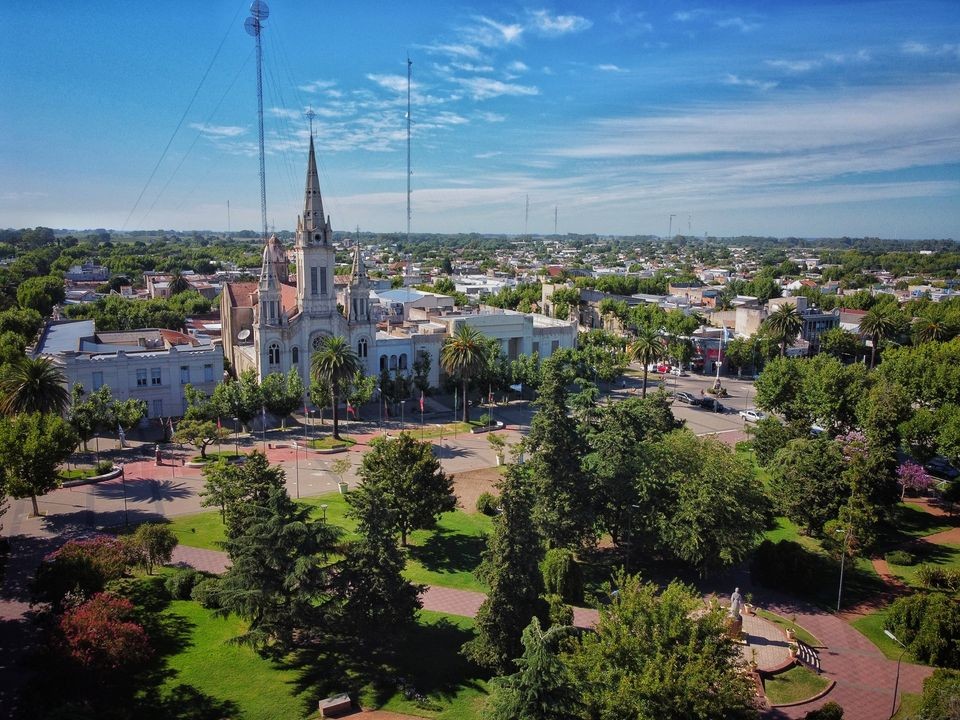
[(219, 424), (350, 409), (122, 436), (421, 401)]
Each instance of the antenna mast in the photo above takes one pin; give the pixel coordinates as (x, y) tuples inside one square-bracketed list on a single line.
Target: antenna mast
[(526, 217), (556, 212), (254, 26), (409, 172), (228, 218)]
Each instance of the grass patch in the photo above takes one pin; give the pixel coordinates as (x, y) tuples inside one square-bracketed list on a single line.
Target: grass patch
[(871, 627), (945, 556), (786, 529), (214, 456), (201, 530), (77, 473), (911, 521), (802, 633), (330, 442), (796, 684), (227, 671), (909, 706)]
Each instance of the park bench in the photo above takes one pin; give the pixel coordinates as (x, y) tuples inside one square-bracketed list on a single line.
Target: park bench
[(335, 705)]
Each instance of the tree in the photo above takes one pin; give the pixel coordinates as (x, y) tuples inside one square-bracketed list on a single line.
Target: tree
[(236, 487), (33, 385), (919, 434), (32, 447), (511, 567), (831, 391), (128, 413), (929, 372), (81, 567), (421, 372), (710, 511), (645, 349), (282, 394), (361, 390), (334, 364), (41, 293), (525, 371), (542, 688), (768, 437), (933, 326), (199, 406), (463, 355), (829, 711), (154, 544), (91, 415), (912, 476), (840, 343), (941, 695), (409, 477), (563, 511), (378, 602), (659, 655), (878, 325), (178, 283), (740, 353), (780, 388), (784, 323), (276, 581), (806, 482), (241, 398), (101, 636), (201, 433), (929, 625)]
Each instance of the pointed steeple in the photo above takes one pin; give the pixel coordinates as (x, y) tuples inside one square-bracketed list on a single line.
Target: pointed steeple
[(359, 272), (313, 217)]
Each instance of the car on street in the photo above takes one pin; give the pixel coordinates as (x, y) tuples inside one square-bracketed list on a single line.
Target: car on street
[(678, 371), (686, 397), (940, 468), (752, 415), (711, 404)]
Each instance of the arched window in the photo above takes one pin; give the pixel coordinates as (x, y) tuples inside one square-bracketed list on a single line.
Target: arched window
[(383, 363), (403, 361), (273, 354), (362, 348), (393, 362), (295, 355)]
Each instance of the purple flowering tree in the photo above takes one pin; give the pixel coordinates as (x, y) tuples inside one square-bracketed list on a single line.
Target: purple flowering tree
[(913, 476)]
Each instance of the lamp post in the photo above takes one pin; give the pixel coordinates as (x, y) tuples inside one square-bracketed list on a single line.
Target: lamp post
[(324, 507), (843, 557), (402, 403), (123, 482), (236, 436), (896, 684)]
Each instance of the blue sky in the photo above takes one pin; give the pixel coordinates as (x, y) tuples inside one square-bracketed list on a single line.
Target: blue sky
[(800, 118)]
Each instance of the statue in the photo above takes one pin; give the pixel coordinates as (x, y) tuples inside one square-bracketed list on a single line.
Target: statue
[(734, 619), (736, 603)]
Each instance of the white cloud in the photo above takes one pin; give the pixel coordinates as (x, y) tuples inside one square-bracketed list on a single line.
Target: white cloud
[(738, 23), (912, 47), (690, 15), (794, 66), (317, 85), (395, 83), (488, 155), (915, 48), (453, 50), (517, 66), (491, 117), (548, 24), (287, 113), (610, 67), (484, 88), (471, 67), (219, 131), (730, 79), (493, 33)]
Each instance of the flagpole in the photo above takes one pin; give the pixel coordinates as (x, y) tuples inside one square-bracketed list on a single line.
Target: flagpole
[(421, 416), (454, 413)]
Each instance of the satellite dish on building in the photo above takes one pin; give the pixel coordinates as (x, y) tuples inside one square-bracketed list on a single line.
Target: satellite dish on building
[(243, 334)]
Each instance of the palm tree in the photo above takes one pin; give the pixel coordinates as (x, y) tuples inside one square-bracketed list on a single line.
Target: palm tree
[(334, 364), (785, 323), (33, 385), (178, 283), (932, 328), (877, 324), (645, 349), (464, 354)]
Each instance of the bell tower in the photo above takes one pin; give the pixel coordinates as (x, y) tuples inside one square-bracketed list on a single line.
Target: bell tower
[(314, 252)]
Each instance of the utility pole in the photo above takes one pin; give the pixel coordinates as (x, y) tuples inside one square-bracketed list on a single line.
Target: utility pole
[(670, 231), (409, 171), (556, 211)]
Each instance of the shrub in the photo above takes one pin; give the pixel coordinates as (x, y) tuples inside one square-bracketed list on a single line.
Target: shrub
[(82, 567), (939, 578), (207, 593), (830, 711), (562, 575), (99, 635), (148, 594), (485, 420), (941, 695), (154, 544), (787, 565), (559, 612), (488, 504), (181, 583), (929, 625), (102, 467), (900, 557)]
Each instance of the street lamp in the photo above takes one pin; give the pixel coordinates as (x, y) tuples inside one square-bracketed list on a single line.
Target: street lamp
[(236, 436), (896, 684), (324, 507), (123, 482), (843, 556), (402, 403)]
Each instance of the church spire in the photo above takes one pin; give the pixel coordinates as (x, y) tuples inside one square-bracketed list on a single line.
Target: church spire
[(313, 218), (359, 272)]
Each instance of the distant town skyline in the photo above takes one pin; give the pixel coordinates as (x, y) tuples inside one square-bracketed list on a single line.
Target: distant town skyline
[(804, 118)]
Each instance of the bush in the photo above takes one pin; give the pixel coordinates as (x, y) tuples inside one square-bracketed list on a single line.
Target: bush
[(154, 544), (929, 625), (100, 635), (485, 420), (562, 576), (181, 583), (488, 504), (939, 578), (103, 467), (207, 593), (787, 565), (559, 612), (900, 557), (148, 594), (82, 567), (829, 711), (941, 695)]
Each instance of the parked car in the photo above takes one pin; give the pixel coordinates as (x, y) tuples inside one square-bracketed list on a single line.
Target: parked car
[(686, 397), (752, 415), (663, 368), (678, 371), (941, 468), (709, 403)]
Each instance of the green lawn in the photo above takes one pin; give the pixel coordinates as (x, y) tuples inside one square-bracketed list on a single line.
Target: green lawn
[(871, 627), (213, 456), (785, 529), (330, 442), (797, 683), (223, 670), (77, 473), (946, 556), (802, 633), (445, 556), (909, 705)]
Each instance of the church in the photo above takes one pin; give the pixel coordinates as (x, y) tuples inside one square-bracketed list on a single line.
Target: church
[(276, 324)]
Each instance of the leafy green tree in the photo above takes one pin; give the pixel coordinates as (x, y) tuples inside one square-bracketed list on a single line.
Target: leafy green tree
[(276, 581), (711, 511), (542, 688), (878, 325), (525, 371), (780, 388), (91, 414), (928, 372), (941, 695), (880, 413), (200, 407), (658, 655), (33, 385), (929, 625), (361, 390), (178, 283), (378, 603), (32, 447), (564, 508), (739, 353), (412, 484), (831, 390), (948, 437), (511, 567), (807, 482), (41, 293), (646, 349), (241, 398), (282, 394), (462, 356), (335, 364), (234, 487), (24, 322), (201, 433), (128, 413), (785, 324), (841, 344), (768, 437), (919, 433), (154, 544)]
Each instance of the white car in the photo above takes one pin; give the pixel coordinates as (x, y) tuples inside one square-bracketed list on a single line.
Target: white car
[(752, 415)]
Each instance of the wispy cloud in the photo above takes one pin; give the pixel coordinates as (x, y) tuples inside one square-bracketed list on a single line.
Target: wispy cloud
[(491, 33), (317, 85), (610, 67), (491, 117), (548, 24), (481, 88), (517, 66), (690, 15), (912, 47), (737, 23), (471, 67), (395, 83), (453, 50), (219, 131), (731, 79), (488, 155), (794, 66)]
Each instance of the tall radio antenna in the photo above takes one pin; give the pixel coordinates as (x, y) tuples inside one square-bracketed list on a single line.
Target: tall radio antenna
[(526, 217), (228, 218), (556, 212), (409, 171), (254, 26)]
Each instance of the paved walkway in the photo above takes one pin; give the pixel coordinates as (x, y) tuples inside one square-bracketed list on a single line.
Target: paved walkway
[(767, 644)]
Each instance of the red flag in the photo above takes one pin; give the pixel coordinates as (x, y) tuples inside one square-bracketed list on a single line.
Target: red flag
[(421, 401), (350, 409), (219, 426)]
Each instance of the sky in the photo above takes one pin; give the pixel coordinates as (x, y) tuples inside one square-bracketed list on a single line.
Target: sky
[(819, 118)]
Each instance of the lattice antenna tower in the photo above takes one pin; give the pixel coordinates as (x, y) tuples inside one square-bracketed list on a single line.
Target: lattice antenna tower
[(409, 171), (254, 26)]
